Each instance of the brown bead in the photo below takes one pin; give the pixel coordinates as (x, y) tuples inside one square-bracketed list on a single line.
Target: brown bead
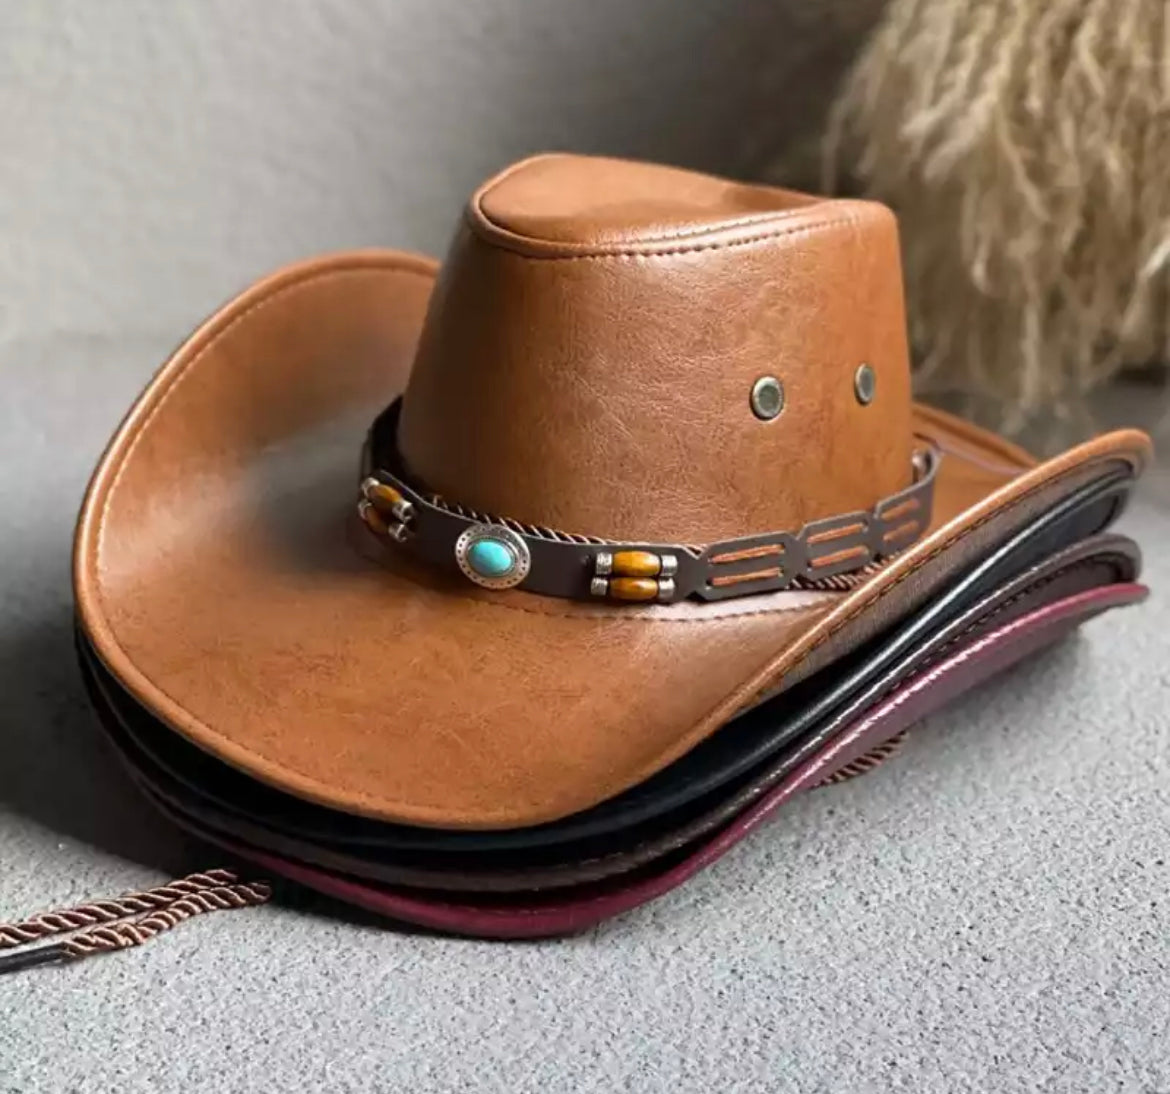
[(637, 564), (633, 588), (373, 519), (385, 497)]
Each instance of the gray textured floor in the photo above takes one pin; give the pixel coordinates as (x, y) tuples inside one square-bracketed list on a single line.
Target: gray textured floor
[(987, 913)]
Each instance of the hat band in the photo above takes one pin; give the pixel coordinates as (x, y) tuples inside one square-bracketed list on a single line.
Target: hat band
[(500, 553)]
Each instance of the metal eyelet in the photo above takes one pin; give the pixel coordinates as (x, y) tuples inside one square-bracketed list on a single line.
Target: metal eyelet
[(865, 384), (767, 398)]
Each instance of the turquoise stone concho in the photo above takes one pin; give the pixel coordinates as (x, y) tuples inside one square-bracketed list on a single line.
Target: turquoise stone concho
[(492, 556)]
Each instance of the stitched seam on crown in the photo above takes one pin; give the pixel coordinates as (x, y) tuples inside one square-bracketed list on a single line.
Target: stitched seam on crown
[(681, 236), (515, 244), (509, 172), (685, 233)]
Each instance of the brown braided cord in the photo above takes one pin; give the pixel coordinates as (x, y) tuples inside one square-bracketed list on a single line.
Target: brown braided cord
[(841, 583), (121, 936), (128, 921), (108, 911), (874, 758)]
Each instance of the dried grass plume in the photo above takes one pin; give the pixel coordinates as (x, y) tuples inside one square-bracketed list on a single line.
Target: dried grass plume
[(1025, 145)]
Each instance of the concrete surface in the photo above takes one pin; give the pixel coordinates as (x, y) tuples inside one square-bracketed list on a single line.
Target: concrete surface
[(989, 912)]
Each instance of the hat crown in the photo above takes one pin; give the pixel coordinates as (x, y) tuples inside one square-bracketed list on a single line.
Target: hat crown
[(638, 352)]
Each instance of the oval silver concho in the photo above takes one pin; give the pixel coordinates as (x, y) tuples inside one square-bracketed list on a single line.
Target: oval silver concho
[(492, 556)]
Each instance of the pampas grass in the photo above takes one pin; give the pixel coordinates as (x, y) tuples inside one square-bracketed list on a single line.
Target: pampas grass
[(1025, 145)]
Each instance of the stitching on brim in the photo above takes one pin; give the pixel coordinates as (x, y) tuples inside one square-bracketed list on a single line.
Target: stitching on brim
[(762, 787), (932, 674)]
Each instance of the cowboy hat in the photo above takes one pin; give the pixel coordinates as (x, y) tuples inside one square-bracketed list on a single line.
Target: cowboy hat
[(642, 456)]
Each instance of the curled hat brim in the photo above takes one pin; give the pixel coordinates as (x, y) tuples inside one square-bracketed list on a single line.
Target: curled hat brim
[(220, 578)]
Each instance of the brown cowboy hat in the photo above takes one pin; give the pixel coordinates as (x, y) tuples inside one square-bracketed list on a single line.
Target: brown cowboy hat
[(643, 453)]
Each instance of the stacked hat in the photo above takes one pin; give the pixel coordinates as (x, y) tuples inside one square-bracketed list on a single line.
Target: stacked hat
[(504, 595)]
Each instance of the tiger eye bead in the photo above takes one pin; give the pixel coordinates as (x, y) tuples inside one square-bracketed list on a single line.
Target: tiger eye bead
[(373, 519), (633, 588), (382, 495), (636, 564)]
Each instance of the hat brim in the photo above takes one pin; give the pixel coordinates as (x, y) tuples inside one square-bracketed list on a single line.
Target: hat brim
[(220, 578), (543, 914)]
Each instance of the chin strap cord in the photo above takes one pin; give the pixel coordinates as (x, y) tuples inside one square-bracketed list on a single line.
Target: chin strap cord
[(130, 920), (127, 921), (875, 757)]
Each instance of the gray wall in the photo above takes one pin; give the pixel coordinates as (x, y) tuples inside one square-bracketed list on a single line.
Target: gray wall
[(156, 154)]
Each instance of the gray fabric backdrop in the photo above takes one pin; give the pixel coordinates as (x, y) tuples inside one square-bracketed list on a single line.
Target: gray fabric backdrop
[(157, 153), (987, 913)]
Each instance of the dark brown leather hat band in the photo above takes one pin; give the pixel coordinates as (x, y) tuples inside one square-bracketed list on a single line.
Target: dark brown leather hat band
[(500, 553)]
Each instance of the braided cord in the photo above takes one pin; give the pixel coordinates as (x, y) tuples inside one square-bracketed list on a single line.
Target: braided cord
[(875, 757), (107, 911), (130, 920), (122, 936)]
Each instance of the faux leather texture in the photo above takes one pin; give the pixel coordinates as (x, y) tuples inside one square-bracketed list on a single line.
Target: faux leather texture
[(217, 579)]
